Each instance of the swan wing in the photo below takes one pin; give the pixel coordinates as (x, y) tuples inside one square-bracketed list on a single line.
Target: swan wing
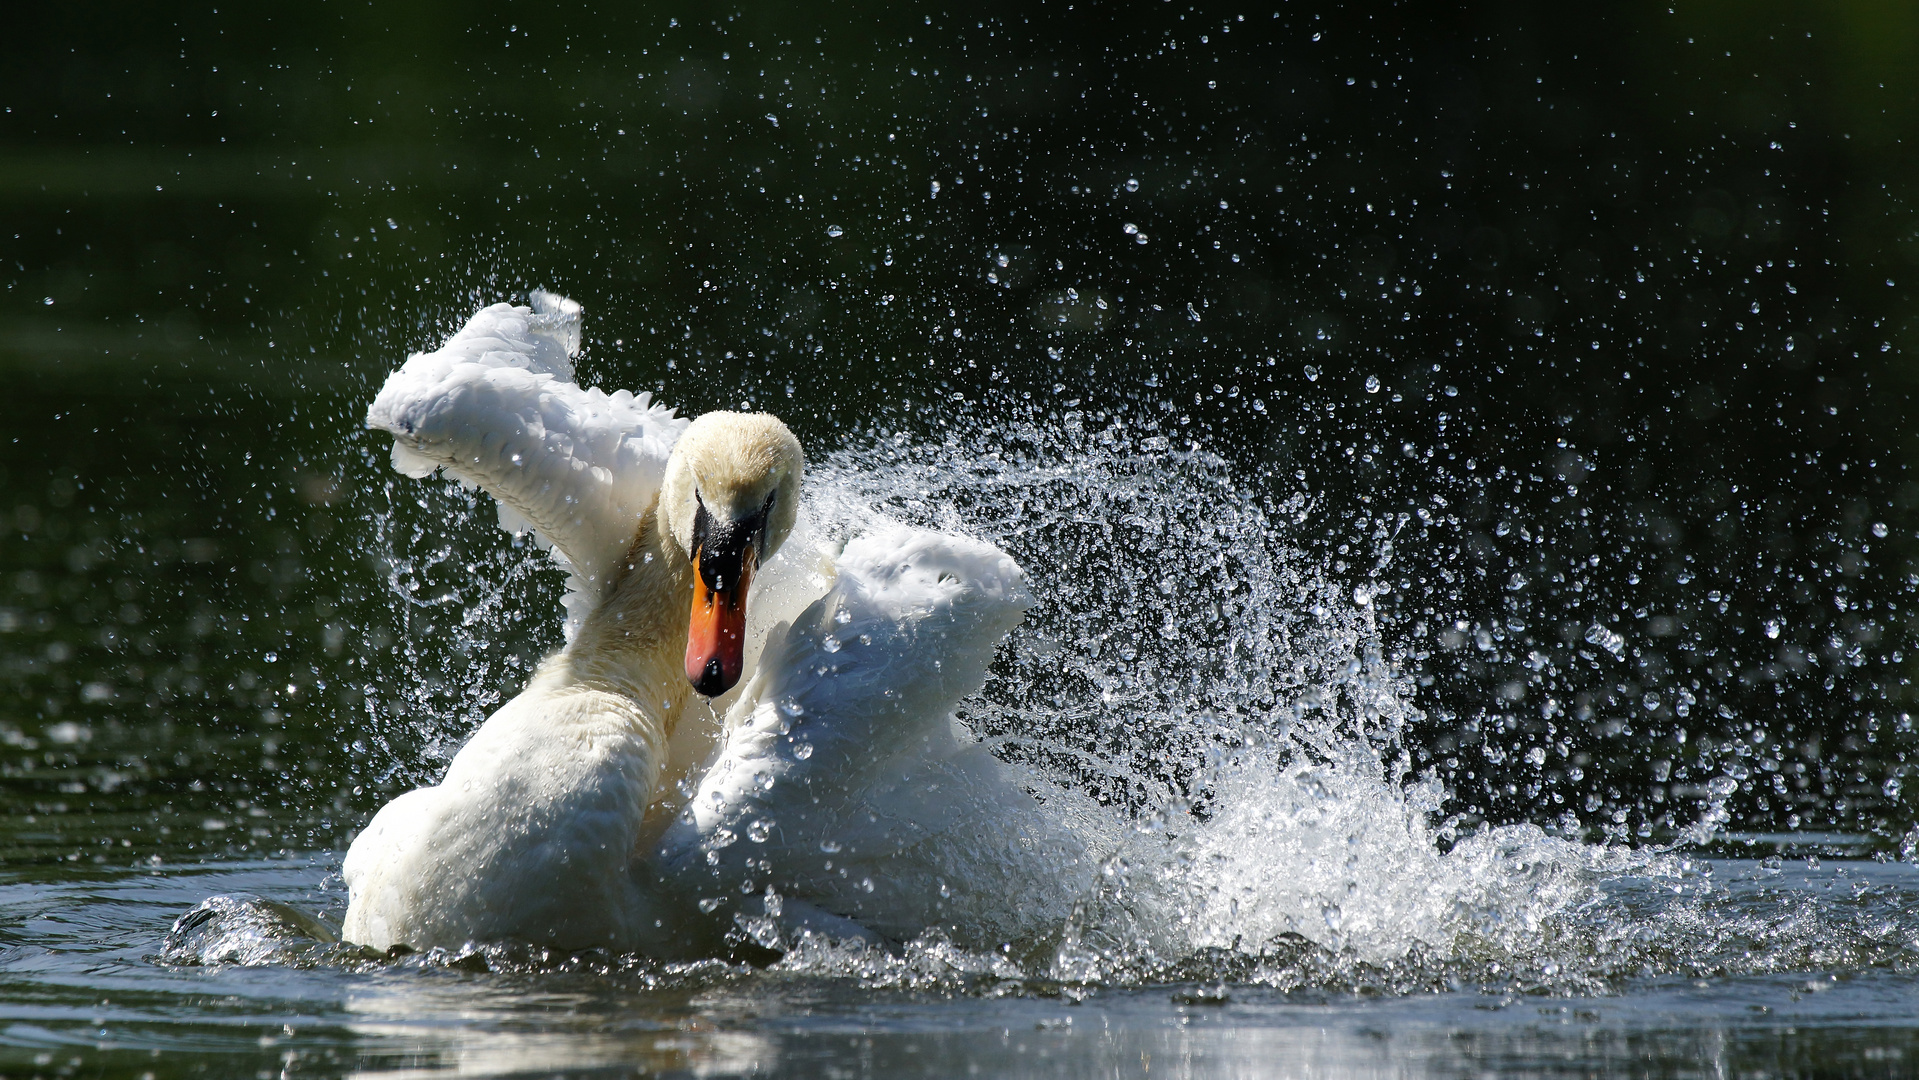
[(497, 407), (827, 753), (873, 669)]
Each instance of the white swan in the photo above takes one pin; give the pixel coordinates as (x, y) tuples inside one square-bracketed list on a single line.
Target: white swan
[(548, 825)]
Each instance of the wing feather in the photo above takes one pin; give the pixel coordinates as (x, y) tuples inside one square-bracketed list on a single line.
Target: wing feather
[(843, 751), (497, 407)]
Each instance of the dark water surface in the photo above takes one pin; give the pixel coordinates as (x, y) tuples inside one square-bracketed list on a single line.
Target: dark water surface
[(83, 994), (1462, 457)]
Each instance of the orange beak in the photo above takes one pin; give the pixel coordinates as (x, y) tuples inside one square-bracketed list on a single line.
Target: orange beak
[(716, 635)]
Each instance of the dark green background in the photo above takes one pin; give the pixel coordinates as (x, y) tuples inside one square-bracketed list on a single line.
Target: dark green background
[(1635, 280)]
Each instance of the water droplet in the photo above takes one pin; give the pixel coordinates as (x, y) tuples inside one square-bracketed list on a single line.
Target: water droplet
[(1372, 384), (1132, 185), (1312, 373), (760, 830), (711, 903), (1607, 640), (831, 847), (830, 643), (791, 707), (1536, 756), (1773, 626), (802, 750), (835, 231), (1879, 528)]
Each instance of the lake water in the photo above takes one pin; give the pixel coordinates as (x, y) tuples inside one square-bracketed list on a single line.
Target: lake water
[(1461, 463), (1748, 970)]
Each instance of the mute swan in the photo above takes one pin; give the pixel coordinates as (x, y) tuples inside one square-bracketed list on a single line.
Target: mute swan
[(559, 823), (534, 831)]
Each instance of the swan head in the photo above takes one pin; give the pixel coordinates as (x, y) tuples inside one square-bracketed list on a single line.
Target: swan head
[(731, 493)]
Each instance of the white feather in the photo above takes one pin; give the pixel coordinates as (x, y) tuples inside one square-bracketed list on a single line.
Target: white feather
[(842, 767), (496, 407), (530, 835)]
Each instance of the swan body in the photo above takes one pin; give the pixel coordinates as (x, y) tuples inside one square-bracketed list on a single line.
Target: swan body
[(528, 837), (565, 821)]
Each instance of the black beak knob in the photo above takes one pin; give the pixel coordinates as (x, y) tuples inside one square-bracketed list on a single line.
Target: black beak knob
[(712, 681)]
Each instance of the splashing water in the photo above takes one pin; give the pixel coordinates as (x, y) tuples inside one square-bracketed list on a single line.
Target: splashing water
[(458, 600), (1226, 718), (1215, 718)]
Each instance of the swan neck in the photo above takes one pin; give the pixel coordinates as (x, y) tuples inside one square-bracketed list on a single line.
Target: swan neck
[(633, 642)]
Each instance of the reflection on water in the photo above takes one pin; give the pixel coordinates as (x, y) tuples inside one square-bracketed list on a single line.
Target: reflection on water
[(79, 989), (459, 1040)]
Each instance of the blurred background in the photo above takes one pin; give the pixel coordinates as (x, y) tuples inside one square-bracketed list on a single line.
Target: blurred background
[(1585, 330)]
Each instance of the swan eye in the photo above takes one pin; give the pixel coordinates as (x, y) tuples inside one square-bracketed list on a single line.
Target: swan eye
[(761, 521), (702, 522)]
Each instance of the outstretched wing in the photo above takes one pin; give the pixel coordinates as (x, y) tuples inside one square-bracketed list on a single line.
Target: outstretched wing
[(829, 751), (497, 407)]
